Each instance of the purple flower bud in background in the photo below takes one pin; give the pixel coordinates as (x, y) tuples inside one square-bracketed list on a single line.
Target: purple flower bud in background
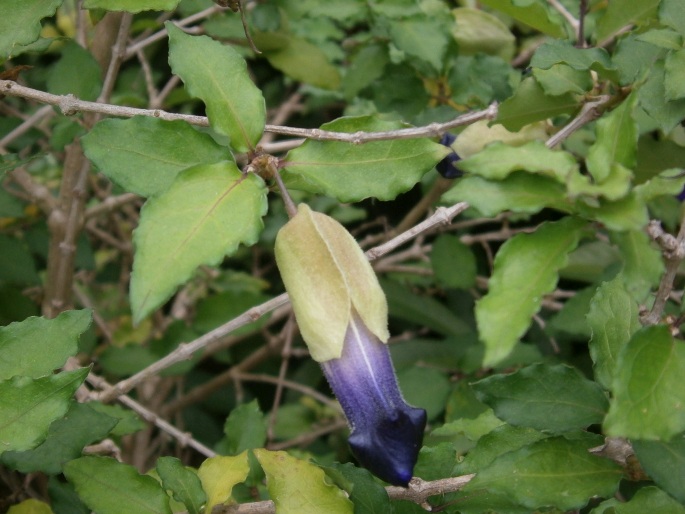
[(386, 432), (447, 167), (343, 317)]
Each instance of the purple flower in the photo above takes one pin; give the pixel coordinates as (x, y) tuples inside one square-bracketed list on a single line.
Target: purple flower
[(448, 166), (343, 317), (386, 432)]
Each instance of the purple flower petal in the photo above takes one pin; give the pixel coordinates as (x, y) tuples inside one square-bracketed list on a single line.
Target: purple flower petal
[(386, 432)]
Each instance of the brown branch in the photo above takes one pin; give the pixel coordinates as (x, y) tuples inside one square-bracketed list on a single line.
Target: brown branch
[(183, 438), (673, 250), (418, 492), (70, 105), (443, 215)]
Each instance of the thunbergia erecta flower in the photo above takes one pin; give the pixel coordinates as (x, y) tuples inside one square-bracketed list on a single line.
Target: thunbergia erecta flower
[(448, 166), (343, 317)]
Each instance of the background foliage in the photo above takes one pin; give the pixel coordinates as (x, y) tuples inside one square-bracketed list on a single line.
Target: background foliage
[(149, 361)]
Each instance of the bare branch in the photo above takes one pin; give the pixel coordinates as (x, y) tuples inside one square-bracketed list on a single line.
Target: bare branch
[(673, 250), (589, 112), (70, 105), (183, 438), (443, 215)]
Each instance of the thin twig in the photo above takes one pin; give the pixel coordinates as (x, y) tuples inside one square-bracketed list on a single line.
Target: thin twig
[(30, 122), (70, 105), (589, 112), (183, 438), (161, 34), (674, 252), (295, 386), (418, 492), (442, 215), (567, 15)]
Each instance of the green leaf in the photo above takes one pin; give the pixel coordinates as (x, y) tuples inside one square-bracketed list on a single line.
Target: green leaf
[(28, 407), (111, 487), (218, 476), (205, 214), (143, 154), (613, 318), (298, 59), (16, 262), (663, 38), (128, 421), (424, 311), (65, 440), (649, 392), (368, 496), (216, 309), (652, 94), (245, 428), (518, 192), (132, 6), (422, 37), (436, 461), (64, 498), (479, 31), (366, 66), (561, 78), (526, 268), (571, 318), (616, 142), (183, 483), (553, 472), (664, 461), (498, 160), (20, 22), (426, 387), (529, 104), (533, 14), (453, 262), (648, 499), (627, 213), (37, 346), (30, 506), (672, 14), (217, 75), (580, 59), (86, 84), (501, 440), (674, 79), (299, 487), (555, 399), (620, 13), (350, 172), (634, 58), (642, 262)]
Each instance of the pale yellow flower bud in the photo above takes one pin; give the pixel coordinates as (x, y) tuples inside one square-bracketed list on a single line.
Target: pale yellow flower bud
[(327, 277)]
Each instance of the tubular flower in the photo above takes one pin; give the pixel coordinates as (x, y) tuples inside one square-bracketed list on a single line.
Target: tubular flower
[(343, 314)]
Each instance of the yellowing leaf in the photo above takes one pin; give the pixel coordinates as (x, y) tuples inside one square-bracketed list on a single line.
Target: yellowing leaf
[(299, 487), (218, 476)]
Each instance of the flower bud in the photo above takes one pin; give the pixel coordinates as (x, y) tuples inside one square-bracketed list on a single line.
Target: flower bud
[(327, 275), (343, 316)]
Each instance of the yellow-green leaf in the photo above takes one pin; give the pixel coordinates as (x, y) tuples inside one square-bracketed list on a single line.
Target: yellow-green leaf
[(206, 213), (218, 476), (299, 487)]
